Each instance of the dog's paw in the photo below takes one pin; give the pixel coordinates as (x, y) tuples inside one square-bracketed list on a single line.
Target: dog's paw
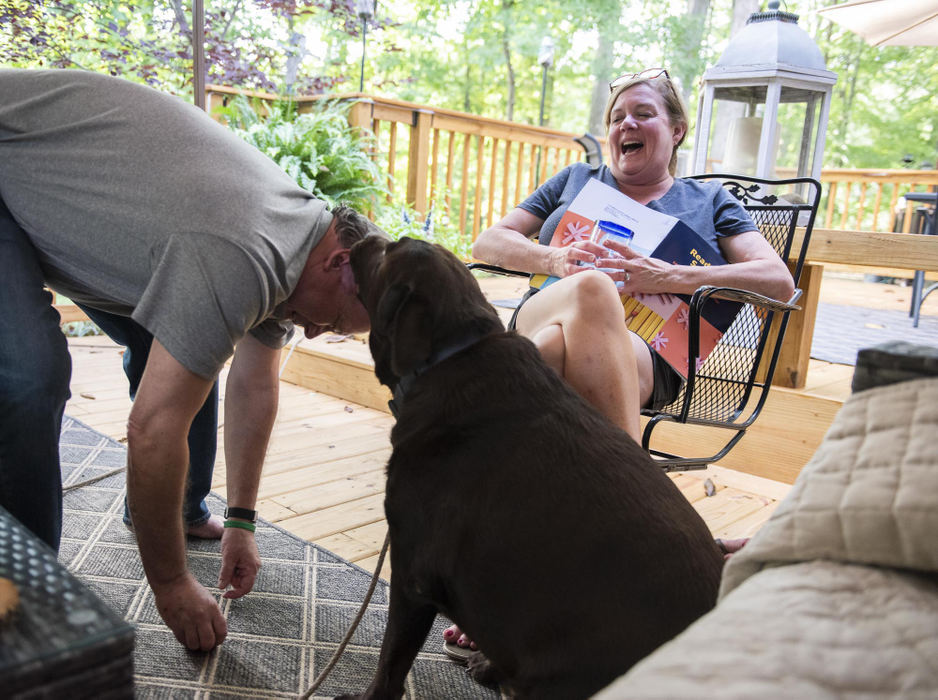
[(482, 670)]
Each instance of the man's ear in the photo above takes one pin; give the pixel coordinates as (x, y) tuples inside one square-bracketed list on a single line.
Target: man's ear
[(337, 258)]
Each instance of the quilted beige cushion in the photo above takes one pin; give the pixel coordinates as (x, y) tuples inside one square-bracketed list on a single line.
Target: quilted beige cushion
[(805, 631), (837, 594), (868, 496)]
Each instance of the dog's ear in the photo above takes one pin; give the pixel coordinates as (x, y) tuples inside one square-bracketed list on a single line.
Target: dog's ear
[(365, 257), (405, 319)]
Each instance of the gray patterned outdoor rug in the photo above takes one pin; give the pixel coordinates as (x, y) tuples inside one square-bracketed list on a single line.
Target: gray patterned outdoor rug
[(280, 636)]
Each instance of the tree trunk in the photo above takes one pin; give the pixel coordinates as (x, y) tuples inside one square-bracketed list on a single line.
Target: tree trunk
[(603, 70), (741, 11), (180, 12), (727, 112), (507, 7), (297, 45), (510, 104), (696, 21), (467, 89), (849, 92)]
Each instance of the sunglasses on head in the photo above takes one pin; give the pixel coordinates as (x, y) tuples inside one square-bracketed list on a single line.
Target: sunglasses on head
[(647, 74)]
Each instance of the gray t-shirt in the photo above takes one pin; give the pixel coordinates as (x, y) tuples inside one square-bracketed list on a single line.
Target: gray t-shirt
[(705, 206), (141, 205)]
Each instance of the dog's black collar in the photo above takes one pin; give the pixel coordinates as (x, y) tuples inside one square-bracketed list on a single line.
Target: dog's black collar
[(406, 382)]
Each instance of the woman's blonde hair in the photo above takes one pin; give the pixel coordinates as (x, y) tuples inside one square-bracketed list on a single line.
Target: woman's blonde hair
[(677, 112)]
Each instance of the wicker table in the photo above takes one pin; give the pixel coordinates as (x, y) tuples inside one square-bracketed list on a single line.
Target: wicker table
[(63, 641)]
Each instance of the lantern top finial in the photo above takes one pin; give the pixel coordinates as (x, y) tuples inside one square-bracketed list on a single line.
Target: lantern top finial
[(772, 13), (772, 38)]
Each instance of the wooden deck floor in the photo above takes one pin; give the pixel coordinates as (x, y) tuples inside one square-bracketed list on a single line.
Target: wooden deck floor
[(324, 475)]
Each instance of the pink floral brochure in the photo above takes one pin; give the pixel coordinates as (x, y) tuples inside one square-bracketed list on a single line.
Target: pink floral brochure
[(661, 320)]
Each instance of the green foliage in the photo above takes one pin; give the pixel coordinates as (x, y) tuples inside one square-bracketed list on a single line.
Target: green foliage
[(137, 40), (884, 106), (247, 43), (478, 56), (399, 219), (318, 149)]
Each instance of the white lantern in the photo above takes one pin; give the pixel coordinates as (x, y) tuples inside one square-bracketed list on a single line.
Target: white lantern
[(764, 105)]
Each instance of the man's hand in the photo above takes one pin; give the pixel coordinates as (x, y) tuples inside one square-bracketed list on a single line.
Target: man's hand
[(240, 562), (191, 612)]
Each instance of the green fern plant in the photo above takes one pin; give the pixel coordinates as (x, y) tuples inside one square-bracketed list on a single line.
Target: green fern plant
[(318, 149)]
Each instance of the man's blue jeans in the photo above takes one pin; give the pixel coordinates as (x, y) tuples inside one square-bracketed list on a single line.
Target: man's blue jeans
[(35, 370), (204, 430)]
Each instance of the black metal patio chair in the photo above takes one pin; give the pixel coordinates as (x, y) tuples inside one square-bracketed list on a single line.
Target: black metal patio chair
[(728, 391)]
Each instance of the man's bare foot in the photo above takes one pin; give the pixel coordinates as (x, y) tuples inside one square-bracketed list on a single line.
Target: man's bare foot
[(211, 529), (730, 547)]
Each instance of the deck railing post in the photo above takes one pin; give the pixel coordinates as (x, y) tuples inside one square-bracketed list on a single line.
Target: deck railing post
[(792, 368), (359, 114), (418, 160)]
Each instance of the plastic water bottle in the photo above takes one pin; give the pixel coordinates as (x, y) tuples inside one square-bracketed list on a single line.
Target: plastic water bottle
[(610, 230)]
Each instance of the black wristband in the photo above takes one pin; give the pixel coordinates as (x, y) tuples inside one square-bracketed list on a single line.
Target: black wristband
[(241, 514)]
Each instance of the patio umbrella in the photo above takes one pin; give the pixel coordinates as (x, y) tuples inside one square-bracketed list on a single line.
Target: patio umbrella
[(888, 22)]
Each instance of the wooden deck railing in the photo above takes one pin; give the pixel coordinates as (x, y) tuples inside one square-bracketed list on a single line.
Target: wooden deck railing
[(476, 169), (870, 200), (470, 169)]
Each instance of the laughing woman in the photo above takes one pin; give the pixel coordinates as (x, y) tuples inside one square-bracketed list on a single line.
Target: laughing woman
[(578, 323)]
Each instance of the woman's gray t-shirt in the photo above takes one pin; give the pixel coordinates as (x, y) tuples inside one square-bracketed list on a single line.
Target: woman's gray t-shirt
[(705, 206)]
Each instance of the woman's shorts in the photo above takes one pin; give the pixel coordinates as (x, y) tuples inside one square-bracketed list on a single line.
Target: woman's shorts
[(668, 382)]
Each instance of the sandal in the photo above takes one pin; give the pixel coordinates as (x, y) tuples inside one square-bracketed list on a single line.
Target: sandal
[(458, 653)]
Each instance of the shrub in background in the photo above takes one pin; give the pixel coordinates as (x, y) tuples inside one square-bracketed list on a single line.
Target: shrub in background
[(79, 329), (331, 159), (318, 149)]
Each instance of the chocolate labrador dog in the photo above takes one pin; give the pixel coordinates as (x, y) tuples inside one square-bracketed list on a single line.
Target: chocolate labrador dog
[(514, 508)]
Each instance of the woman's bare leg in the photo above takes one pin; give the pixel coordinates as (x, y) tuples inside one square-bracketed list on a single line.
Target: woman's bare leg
[(578, 325)]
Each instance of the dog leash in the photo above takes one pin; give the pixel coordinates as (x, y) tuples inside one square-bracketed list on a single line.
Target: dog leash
[(351, 630), (354, 625)]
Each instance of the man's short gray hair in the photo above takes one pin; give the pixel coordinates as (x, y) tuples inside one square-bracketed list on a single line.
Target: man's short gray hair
[(351, 227)]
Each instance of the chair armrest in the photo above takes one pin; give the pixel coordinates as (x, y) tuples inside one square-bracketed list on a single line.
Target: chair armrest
[(700, 299), (745, 297), (485, 267)]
